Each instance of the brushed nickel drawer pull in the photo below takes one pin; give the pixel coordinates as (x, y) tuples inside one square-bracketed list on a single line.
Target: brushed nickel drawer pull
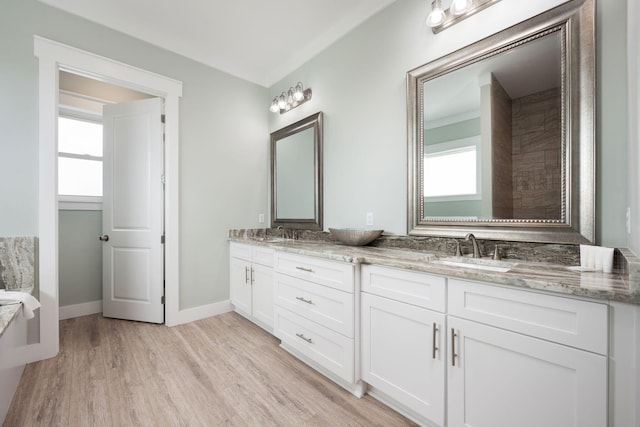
[(308, 301), (301, 336), (308, 270), (453, 347), (435, 347)]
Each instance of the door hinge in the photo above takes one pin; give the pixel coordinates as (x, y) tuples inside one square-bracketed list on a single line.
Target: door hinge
[(162, 300), (162, 239), (162, 118), (163, 179)]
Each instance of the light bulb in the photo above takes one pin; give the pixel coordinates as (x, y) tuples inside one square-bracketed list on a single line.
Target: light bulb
[(458, 7), (274, 106), (282, 102), (437, 16), (298, 93), (290, 97)]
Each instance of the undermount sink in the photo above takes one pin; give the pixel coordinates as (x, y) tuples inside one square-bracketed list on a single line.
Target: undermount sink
[(476, 263)]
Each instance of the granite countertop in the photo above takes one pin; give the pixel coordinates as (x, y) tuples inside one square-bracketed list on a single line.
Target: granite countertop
[(559, 279)]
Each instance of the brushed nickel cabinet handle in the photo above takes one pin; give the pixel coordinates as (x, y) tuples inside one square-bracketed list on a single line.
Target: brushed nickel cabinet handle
[(453, 347), (302, 337), (252, 275), (308, 301), (434, 345), (246, 275), (308, 270)]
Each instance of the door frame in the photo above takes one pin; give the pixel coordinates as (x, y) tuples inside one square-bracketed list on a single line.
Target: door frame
[(52, 56)]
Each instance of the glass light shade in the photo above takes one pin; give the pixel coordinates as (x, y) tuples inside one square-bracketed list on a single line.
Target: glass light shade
[(436, 17), (282, 102), (458, 7), (290, 97), (298, 93), (274, 106)]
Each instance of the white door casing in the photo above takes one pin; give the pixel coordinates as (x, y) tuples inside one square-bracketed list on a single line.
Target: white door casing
[(133, 211)]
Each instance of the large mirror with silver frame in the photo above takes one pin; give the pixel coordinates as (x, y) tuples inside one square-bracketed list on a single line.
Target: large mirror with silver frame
[(296, 175), (502, 134)]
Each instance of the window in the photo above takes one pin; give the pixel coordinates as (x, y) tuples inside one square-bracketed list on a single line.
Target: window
[(451, 170), (79, 162)]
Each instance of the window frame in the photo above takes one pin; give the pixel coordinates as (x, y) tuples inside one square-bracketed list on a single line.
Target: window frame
[(75, 202)]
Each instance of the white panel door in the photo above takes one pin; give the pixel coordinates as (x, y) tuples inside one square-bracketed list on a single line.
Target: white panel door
[(498, 378), (403, 354), (133, 278)]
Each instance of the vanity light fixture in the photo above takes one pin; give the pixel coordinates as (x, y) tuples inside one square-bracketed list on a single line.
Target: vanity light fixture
[(290, 99), (439, 18)]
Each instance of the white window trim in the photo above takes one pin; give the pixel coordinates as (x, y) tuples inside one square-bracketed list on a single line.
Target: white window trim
[(452, 146), (79, 203)]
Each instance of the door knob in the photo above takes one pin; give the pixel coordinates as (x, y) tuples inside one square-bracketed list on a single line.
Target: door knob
[(104, 237)]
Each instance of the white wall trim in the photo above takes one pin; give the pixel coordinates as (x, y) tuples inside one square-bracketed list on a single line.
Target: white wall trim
[(202, 312), (78, 310), (52, 57)]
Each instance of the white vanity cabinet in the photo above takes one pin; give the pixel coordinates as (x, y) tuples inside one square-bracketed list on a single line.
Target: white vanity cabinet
[(251, 277), (315, 314), (403, 342), (526, 359)]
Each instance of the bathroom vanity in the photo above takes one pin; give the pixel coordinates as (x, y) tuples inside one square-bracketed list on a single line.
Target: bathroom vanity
[(451, 344)]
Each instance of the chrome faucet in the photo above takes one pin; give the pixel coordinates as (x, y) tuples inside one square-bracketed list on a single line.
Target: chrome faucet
[(476, 249)]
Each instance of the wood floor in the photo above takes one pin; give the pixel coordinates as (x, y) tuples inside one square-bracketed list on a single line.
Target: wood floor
[(221, 371)]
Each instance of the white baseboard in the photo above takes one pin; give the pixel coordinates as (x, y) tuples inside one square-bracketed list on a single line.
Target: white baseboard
[(77, 310), (184, 316), (202, 312)]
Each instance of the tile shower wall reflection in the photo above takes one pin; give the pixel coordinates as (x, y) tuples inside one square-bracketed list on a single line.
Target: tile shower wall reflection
[(537, 168)]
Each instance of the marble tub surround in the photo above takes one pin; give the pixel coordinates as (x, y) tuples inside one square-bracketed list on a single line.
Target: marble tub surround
[(7, 314), (538, 275), (17, 262)]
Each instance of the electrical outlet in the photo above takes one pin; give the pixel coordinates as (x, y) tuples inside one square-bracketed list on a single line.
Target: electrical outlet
[(261, 218), (369, 218), (628, 220)]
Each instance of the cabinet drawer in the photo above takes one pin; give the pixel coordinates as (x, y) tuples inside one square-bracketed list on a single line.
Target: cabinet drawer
[(327, 306), (334, 274), (327, 348), (257, 254), (240, 251), (576, 323), (262, 255), (423, 290)]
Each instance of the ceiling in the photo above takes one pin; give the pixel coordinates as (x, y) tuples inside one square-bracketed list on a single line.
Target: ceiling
[(524, 70), (256, 40)]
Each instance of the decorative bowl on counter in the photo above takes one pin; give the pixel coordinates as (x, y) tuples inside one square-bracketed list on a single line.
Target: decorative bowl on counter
[(355, 236)]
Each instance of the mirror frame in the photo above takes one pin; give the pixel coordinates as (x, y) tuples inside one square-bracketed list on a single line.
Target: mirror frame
[(575, 22), (315, 122)]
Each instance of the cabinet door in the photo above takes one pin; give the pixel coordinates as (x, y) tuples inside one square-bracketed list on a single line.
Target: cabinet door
[(499, 378), (262, 286), (398, 355), (240, 278)]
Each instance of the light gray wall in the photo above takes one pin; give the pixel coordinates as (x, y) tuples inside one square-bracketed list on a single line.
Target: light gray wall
[(79, 257), (223, 140), (359, 83)]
